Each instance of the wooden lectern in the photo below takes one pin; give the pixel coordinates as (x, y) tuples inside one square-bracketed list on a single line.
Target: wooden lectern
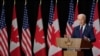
[(71, 44)]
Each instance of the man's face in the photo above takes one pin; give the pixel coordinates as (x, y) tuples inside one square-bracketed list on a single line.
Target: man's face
[(81, 20)]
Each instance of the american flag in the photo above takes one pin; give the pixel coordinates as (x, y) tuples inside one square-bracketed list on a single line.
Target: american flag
[(26, 37), (70, 21), (3, 34), (51, 13), (92, 13), (50, 22)]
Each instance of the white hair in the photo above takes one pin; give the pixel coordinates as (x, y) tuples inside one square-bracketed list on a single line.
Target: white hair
[(82, 15)]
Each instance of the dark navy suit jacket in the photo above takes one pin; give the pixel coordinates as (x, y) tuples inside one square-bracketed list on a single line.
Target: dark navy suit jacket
[(88, 32)]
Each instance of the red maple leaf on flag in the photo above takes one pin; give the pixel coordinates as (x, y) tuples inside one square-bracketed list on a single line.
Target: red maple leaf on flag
[(40, 36), (39, 39), (15, 33), (96, 25), (14, 40)]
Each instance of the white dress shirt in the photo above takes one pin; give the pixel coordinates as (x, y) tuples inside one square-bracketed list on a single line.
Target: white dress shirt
[(83, 30), (83, 27)]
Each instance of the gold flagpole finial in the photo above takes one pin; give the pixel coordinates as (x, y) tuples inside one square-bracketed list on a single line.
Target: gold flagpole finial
[(40, 2), (96, 0), (56, 1), (3, 2), (77, 1), (14, 2), (25, 2)]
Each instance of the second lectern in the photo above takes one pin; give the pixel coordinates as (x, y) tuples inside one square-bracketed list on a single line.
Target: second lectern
[(72, 45)]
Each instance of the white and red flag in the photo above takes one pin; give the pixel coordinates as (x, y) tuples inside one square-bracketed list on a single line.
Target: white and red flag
[(53, 32), (14, 40), (76, 23), (96, 26), (39, 39)]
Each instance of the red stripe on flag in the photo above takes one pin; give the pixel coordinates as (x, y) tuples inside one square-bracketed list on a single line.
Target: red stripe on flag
[(4, 38), (27, 41), (3, 34), (25, 48), (27, 38), (3, 48), (69, 29)]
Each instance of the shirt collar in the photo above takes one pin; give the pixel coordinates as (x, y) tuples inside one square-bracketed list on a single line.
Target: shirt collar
[(83, 25)]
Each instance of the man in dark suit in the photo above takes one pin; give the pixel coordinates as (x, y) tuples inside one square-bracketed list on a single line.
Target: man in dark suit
[(85, 32)]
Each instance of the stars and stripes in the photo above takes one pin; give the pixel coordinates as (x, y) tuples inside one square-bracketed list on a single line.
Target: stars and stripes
[(3, 34), (70, 20), (51, 13), (26, 37), (50, 22), (92, 13)]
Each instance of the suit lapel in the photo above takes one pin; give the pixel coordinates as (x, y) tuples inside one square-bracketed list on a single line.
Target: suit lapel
[(85, 30), (79, 31)]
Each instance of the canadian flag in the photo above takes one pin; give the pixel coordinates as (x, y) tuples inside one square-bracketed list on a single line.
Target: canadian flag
[(39, 39), (75, 16), (96, 25), (14, 41), (53, 33)]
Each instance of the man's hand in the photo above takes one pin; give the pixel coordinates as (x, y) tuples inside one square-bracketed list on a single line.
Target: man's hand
[(86, 38)]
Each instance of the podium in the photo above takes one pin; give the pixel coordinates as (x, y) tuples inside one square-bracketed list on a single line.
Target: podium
[(72, 45)]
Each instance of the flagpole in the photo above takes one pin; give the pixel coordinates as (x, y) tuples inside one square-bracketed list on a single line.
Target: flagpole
[(3, 2), (14, 2), (25, 2), (56, 1), (77, 1), (96, 0), (40, 2)]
